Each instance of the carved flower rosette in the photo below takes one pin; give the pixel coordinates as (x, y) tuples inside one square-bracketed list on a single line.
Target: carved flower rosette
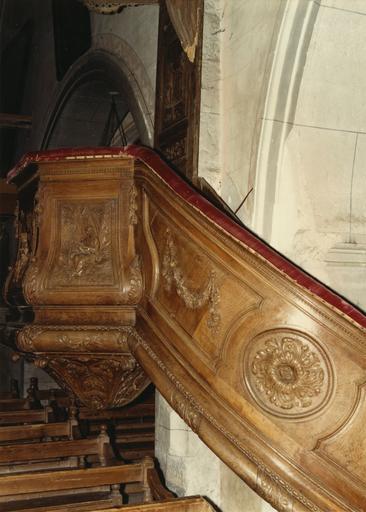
[(288, 374)]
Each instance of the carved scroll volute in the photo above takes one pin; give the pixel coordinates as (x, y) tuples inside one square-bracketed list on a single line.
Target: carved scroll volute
[(30, 276), (26, 224)]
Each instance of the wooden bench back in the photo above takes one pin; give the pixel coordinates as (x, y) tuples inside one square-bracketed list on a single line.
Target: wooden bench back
[(19, 433), (17, 485), (33, 452), (43, 415), (189, 504)]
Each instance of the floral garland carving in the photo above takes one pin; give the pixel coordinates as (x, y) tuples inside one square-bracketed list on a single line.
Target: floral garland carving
[(30, 282), (132, 211), (37, 218), (193, 299), (135, 283), (94, 337), (23, 256)]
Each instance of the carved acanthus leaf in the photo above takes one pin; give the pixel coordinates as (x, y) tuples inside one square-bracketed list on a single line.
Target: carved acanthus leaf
[(186, 410), (30, 282), (272, 492), (26, 337), (100, 382), (193, 299), (135, 280), (132, 211), (22, 257)]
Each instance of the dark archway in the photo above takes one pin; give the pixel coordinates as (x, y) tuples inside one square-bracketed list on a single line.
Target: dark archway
[(80, 114)]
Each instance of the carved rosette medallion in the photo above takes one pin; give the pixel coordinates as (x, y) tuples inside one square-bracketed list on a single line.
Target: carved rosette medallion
[(288, 374)]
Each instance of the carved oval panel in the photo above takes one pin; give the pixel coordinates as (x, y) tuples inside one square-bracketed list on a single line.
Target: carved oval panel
[(288, 373)]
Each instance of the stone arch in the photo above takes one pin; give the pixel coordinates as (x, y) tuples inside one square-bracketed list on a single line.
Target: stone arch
[(114, 61), (281, 102)]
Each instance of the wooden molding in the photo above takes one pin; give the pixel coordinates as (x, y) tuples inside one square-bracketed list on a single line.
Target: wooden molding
[(113, 6), (266, 364)]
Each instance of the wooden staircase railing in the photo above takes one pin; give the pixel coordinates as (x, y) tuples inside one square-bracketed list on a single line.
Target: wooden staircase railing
[(132, 275)]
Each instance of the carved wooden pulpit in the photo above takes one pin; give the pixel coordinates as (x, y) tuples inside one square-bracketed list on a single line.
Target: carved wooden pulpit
[(132, 275)]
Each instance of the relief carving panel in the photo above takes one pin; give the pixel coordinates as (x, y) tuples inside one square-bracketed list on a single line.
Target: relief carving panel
[(196, 292), (84, 253)]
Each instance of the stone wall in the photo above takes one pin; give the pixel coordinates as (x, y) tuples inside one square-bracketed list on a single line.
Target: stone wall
[(283, 120), (310, 182)]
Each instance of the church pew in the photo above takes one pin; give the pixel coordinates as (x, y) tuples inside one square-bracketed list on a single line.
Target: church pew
[(138, 410), (189, 504), (43, 415), (42, 431), (17, 488), (47, 394), (157, 488), (132, 427), (18, 404), (13, 392), (54, 454), (15, 403)]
